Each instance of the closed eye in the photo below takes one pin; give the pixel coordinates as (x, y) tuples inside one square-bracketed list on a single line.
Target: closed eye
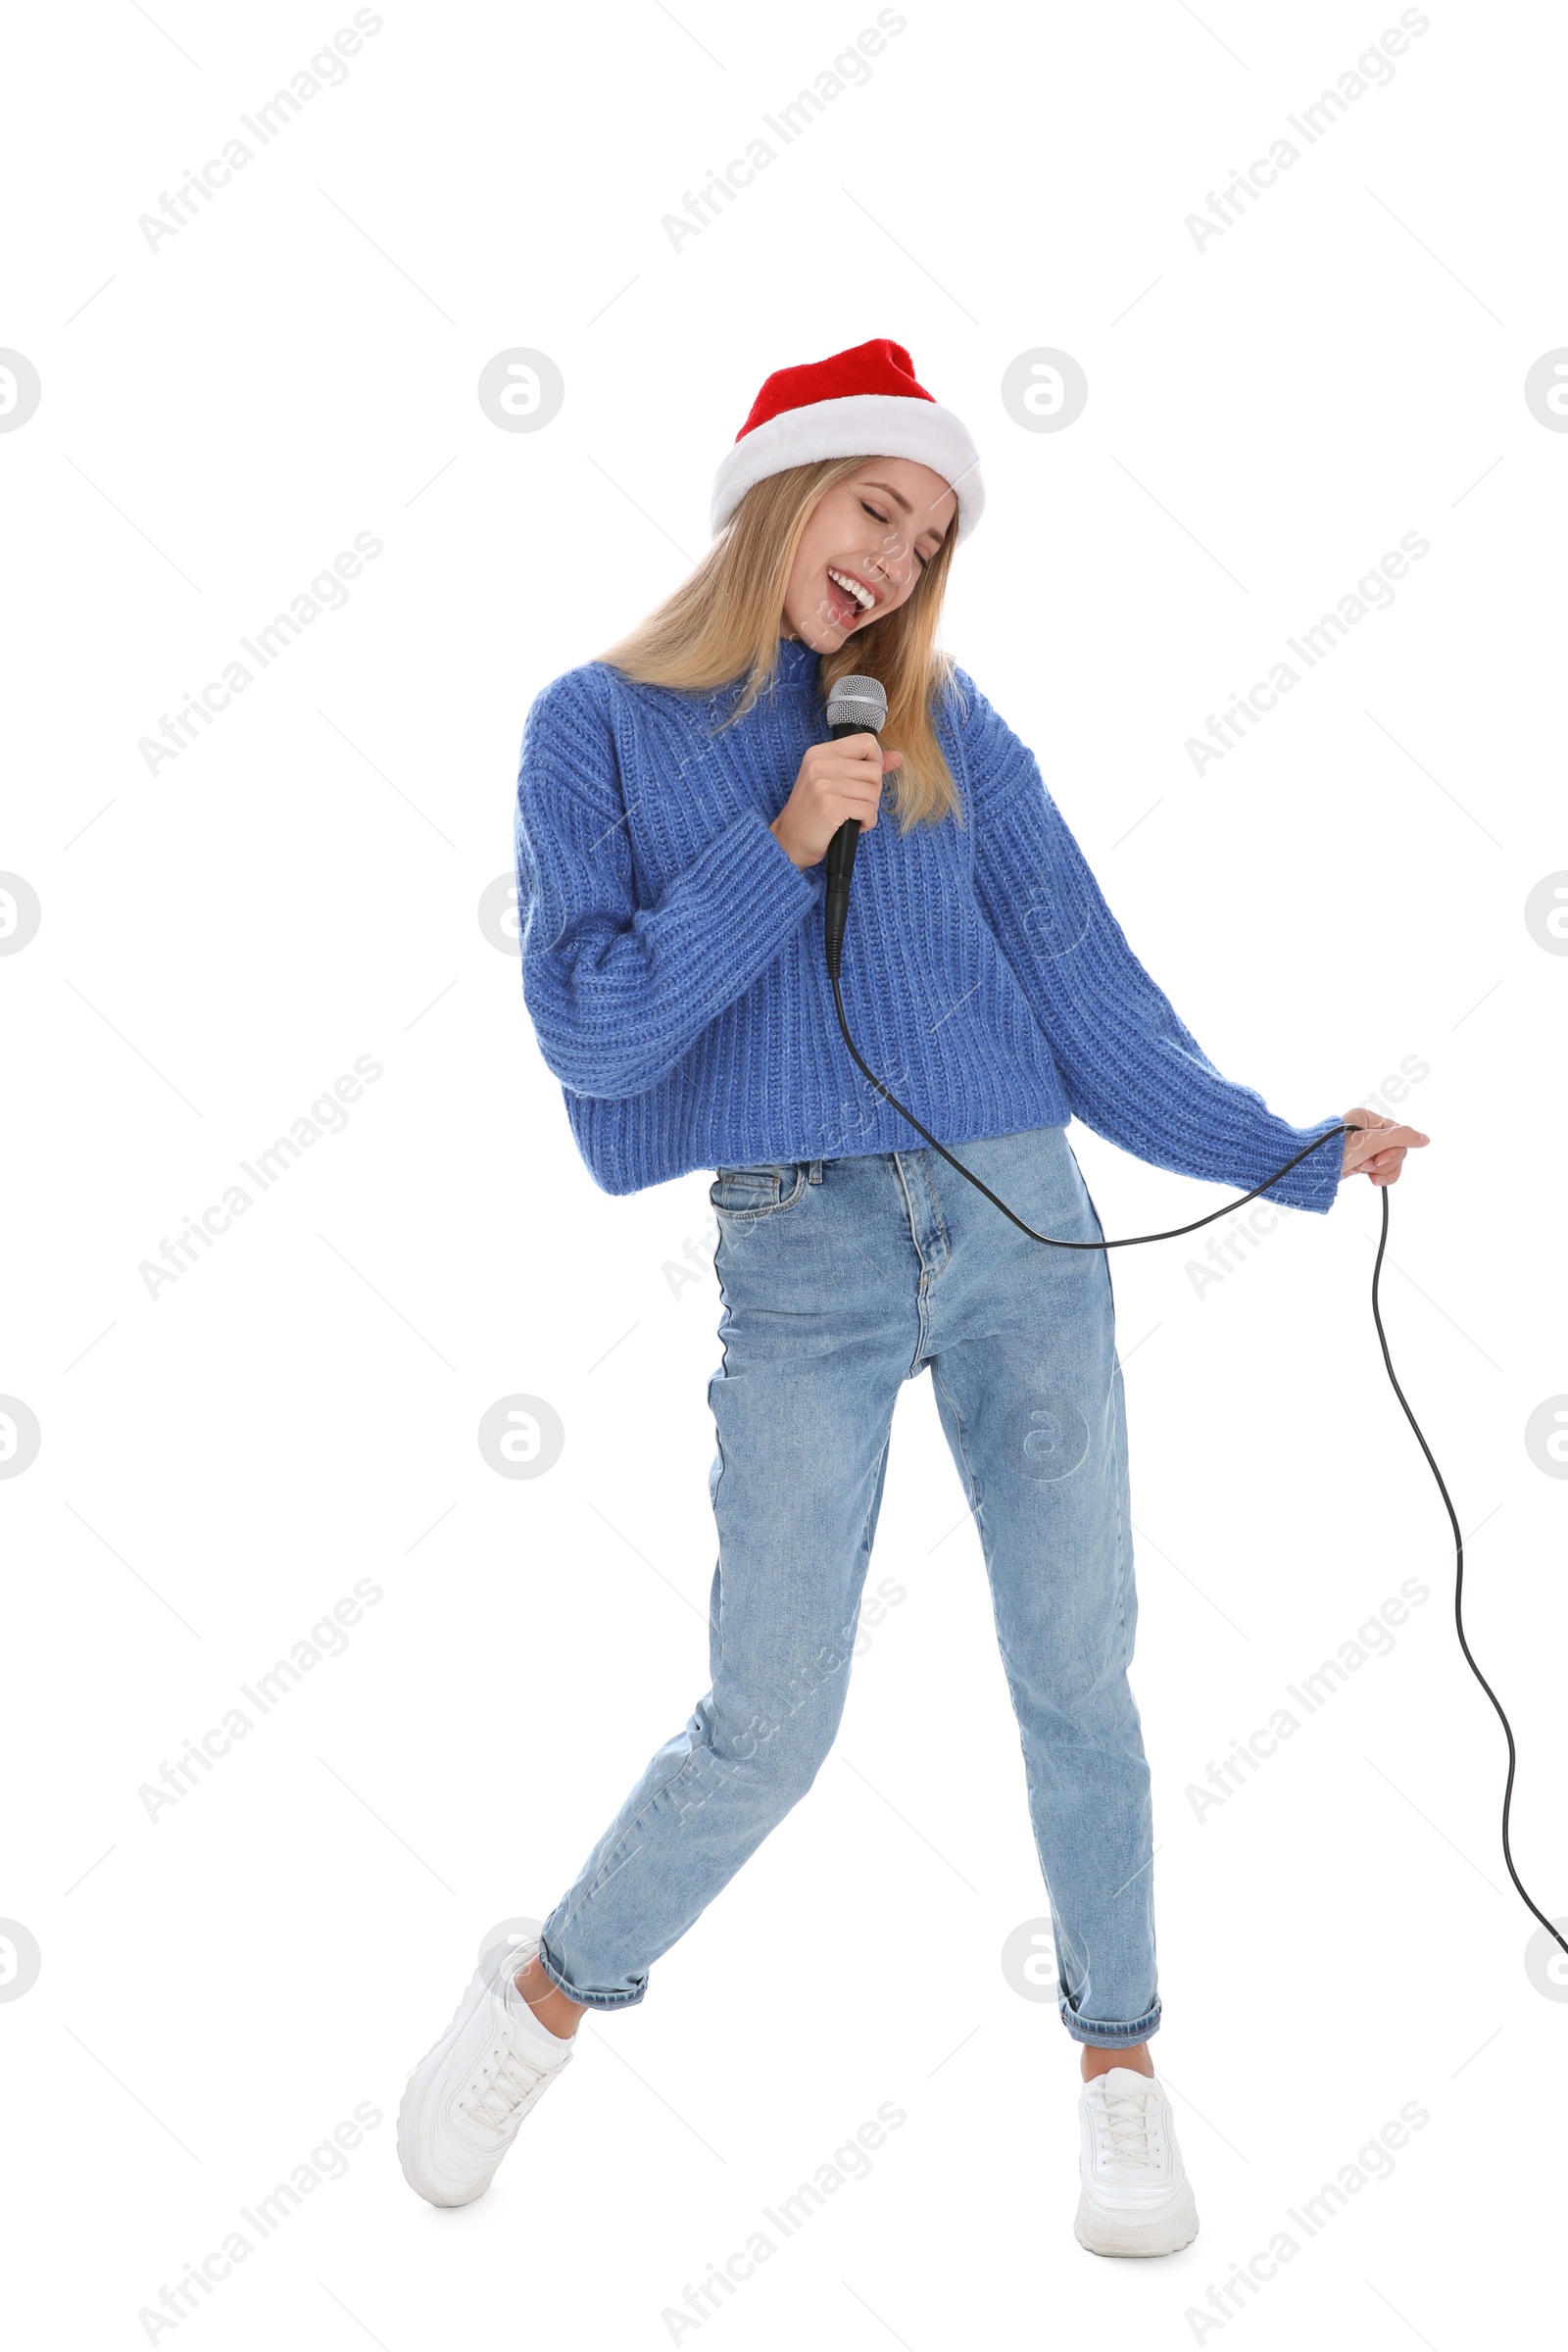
[(923, 561)]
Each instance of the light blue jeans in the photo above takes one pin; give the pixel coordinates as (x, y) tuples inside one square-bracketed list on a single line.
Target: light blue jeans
[(842, 1279)]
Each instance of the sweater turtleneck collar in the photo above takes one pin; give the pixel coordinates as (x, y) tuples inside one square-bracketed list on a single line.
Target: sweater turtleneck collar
[(796, 660)]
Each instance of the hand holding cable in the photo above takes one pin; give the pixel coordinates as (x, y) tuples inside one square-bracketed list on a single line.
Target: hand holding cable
[(1375, 1147)]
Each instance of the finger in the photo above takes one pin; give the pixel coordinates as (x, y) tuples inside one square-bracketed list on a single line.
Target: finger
[(1388, 1137), (856, 779), (852, 756)]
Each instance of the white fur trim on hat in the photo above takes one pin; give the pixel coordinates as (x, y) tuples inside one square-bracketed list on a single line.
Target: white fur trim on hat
[(870, 424)]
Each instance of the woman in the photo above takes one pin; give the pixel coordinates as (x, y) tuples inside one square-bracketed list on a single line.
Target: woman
[(675, 804)]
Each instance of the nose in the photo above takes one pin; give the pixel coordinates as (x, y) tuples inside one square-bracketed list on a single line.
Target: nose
[(893, 559)]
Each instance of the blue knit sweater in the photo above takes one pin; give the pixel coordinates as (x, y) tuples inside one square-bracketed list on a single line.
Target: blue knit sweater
[(673, 955)]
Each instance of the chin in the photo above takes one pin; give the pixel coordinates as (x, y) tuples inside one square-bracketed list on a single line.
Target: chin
[(822, 637)]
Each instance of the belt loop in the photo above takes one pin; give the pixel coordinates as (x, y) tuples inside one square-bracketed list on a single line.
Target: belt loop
[(814, 1172)]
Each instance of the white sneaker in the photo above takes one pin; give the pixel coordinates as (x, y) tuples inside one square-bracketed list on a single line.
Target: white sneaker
[(460, 2111), (1136, 2197)]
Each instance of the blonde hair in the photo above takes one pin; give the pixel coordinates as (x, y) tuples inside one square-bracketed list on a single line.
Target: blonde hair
[(725, 621)]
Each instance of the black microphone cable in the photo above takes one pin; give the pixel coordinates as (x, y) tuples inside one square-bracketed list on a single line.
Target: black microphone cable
[(841, 863)]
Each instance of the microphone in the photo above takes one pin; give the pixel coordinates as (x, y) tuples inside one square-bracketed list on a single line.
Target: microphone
[(854, 706)]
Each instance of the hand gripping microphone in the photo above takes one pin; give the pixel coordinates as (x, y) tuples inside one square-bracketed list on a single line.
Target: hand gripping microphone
[(854, 706)]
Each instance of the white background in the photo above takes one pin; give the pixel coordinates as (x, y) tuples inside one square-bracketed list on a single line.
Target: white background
[(301, 887)]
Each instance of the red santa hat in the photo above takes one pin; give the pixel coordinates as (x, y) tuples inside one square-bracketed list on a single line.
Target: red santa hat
[(863, 403)]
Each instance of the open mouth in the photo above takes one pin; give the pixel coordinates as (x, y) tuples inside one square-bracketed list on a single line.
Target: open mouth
[(847, 598)]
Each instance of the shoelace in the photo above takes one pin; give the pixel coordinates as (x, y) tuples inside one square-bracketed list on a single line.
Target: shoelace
[(1129, 2121), (515, 2078)]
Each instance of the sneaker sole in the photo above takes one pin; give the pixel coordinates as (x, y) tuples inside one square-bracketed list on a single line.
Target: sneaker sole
[(1166, 2233)]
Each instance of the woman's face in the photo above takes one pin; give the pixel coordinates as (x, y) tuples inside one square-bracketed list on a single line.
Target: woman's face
[(864, 547)]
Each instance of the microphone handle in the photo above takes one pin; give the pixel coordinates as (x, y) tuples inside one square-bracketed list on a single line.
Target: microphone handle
[(840, 871)]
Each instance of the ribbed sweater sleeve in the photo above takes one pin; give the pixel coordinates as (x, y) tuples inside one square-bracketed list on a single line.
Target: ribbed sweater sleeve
[(1131, 1069), (618, 991)]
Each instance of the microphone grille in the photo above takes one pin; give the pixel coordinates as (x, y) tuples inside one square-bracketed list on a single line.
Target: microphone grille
[(859, 703)]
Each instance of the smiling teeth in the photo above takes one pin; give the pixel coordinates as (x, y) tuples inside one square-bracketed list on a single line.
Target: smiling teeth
[(862, 596)]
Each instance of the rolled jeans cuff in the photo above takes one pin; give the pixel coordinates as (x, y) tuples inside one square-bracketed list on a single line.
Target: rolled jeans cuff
[(1111, 2036), (588, 2000)]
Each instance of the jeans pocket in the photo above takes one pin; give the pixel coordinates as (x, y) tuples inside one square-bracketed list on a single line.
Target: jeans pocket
[(748, 1195)]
